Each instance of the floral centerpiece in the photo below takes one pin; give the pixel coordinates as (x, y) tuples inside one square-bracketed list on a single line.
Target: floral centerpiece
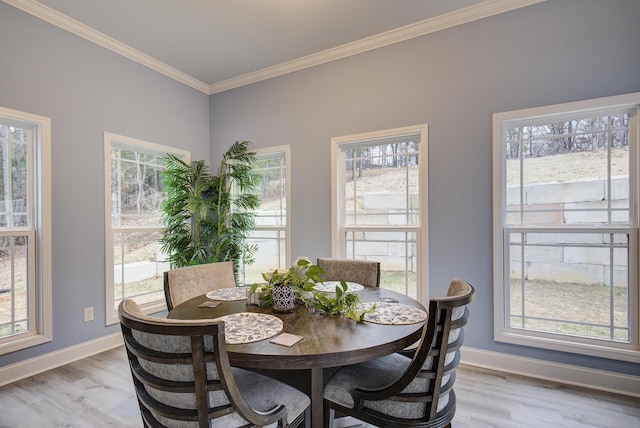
[(300, 280)]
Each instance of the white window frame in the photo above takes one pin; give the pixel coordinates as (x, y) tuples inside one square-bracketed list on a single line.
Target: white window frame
[(338, 206), (285, 150), (565, 343), (111, 314), (39, 232)]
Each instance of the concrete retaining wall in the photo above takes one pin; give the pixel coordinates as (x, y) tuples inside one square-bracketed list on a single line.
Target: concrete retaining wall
[(576, 203), (139, 271)]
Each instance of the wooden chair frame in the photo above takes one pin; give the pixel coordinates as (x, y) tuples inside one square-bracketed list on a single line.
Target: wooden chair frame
[(434, 343), (132, 319)]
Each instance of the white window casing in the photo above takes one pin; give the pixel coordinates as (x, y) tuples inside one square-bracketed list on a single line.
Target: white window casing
[(372, 222), (272, 230), (596, 239), (36, 234), (127, 269)]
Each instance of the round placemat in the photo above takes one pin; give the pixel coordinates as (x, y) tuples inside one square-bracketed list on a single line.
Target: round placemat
[(228, 294), (330, 287), (247, 327), (394, 313)]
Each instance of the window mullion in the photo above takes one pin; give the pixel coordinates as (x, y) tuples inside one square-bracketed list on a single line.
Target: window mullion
[(33, 312), (609, 175), (12, 264), (8, 188)]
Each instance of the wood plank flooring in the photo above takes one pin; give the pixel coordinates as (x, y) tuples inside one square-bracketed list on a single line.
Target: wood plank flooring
[(98, 392)]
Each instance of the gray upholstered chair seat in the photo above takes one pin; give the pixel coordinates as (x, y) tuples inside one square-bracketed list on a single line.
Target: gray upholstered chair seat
[(260, 392), (263, 393), (387, 370)]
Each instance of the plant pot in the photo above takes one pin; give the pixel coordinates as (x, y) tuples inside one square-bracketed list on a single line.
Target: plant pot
[(284, 298)]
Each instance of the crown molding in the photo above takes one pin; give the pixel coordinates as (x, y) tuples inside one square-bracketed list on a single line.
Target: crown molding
[(469, 14), (63, 21), (421, 28)]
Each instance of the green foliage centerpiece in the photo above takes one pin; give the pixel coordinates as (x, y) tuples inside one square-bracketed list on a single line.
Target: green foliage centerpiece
[(347, 304), (302, 277)]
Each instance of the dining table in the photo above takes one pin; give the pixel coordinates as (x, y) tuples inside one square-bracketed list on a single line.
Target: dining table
[(324, 341)]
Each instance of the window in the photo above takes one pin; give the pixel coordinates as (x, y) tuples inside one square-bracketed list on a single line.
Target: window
[(380, 204), (271, 230), (134, 222), (25, 230), (566, 227)]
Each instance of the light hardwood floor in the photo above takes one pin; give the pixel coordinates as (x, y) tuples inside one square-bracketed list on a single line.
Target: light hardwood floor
[(98, 392)]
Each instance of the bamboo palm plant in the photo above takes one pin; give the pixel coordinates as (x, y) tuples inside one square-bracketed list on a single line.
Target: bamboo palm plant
[(209, 217)]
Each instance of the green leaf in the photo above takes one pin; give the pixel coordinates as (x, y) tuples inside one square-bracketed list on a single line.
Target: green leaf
[(204, 222)]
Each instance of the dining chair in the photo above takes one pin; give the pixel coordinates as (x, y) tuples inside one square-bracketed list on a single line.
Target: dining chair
[(183, 378), (397, 391), (365, 272), (187, 282)]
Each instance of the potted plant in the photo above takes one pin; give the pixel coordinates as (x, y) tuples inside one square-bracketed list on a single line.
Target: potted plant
[(209, 217), (293, 284), (281, 290)]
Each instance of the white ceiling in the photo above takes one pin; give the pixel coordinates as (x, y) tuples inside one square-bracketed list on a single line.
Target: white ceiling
[(215, 45)]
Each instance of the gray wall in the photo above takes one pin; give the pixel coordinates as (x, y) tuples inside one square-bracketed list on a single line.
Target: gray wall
[(557, 51), (454, 80), (87, 90)]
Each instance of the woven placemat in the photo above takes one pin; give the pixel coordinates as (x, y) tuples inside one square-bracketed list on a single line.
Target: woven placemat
[(330, 287), (228, 294), (394, 313), (247, 327)]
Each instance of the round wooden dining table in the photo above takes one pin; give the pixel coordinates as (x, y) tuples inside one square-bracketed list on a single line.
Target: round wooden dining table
[(327, 341)]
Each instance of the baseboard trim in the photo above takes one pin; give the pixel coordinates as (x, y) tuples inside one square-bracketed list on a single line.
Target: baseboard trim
[(556, 372), (42, 363)]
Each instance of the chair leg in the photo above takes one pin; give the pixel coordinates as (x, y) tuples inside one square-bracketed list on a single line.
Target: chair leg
[(328, 415), (307, 417)]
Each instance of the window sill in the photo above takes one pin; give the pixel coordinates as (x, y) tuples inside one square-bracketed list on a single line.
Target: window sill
[(26, 341)]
